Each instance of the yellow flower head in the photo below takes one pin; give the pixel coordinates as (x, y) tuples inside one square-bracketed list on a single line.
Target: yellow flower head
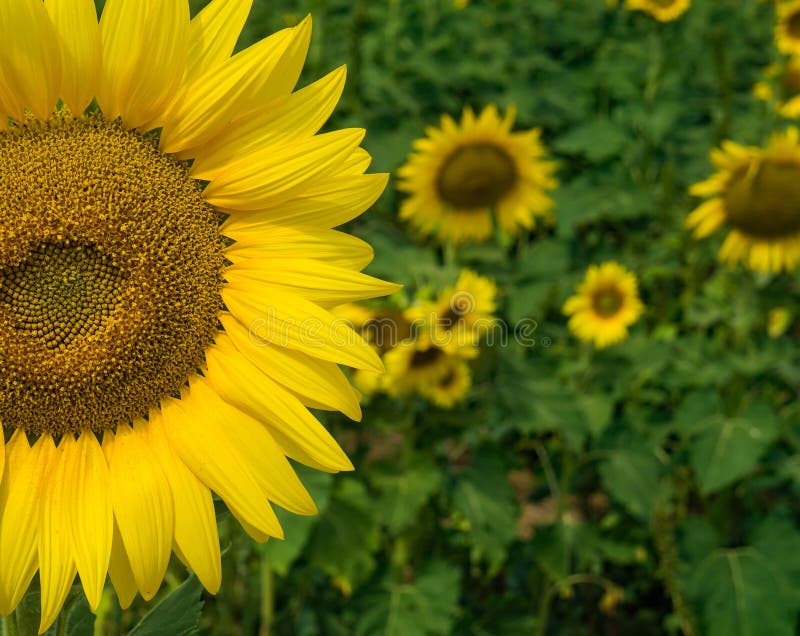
[(461, 314), (605, 305), (661, 10), (166, 267), (451, 387), (461, 178), (754, 192), (787, 28)]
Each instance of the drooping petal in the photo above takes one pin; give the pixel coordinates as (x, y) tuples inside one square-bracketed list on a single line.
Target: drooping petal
[(119, 569), (90, 516), (30, 59), (76, 23), (145, 45), (299, 372), (143, 506), (20, 495), (196, 536), (56, 564), (301, 435), (196, 429)]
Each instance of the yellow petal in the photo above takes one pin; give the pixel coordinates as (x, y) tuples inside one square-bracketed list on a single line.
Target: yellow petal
[(294, 116), (278, 242), (223, 92), (196, 536), (297, 430), (119, 569), (76, 23), (196, 428), (297, 371), (325, 203), (274, 173), (142, 506), (326, 285), (19, 527), (145, 45), (213, 33), (90, 515), (56, 565), (287, 320), (30, 58)]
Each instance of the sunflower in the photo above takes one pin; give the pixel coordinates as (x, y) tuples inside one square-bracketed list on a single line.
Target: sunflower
[(462, 177), (451, 387), (787, 28), (461, 314), (166, 261), (782, 84), (754, 191), (605, 305), (661, 10)]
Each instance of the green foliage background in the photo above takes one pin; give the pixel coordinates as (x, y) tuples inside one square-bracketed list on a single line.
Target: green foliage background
[(648, 489)]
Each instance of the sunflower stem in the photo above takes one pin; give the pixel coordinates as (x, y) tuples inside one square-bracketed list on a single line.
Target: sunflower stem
[(267, 597)]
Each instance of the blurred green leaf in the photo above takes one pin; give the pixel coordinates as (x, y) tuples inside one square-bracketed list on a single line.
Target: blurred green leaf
[(426, 606), (404, 493), (176, 614), (732, 448), (632, 478)]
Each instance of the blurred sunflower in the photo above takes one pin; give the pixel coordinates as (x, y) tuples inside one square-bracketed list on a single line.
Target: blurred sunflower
[(463, 176), (451, 387), (787, 27), (461, 314), (165, 215), (661, 10), (782, 83), (605, 305), (754, 191)]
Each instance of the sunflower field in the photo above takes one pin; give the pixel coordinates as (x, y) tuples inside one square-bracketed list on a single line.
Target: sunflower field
[(576, 405)]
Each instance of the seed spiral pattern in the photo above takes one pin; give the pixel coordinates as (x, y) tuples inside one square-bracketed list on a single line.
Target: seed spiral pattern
[(110, 273)]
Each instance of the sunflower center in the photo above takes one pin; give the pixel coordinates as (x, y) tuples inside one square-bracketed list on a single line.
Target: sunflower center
[(793, 25), (607, 301), (426, 358), (476, 176), (764, 200), (61, 292), (110, 272)]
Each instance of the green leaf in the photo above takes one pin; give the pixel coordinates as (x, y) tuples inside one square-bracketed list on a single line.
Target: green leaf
[(485, 499), (632, 478), (427, 606), (597, 140), (730, 450), (296, 528), (598, 408), (176, 614), (344, 541), (741, 595), (697, 411), (403, 494)]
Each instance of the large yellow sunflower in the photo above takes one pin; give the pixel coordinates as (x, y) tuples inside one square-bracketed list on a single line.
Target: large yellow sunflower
[(754, 191), (787, 27), (166, 261), (661, 10), (462, 177), (605, 305)]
